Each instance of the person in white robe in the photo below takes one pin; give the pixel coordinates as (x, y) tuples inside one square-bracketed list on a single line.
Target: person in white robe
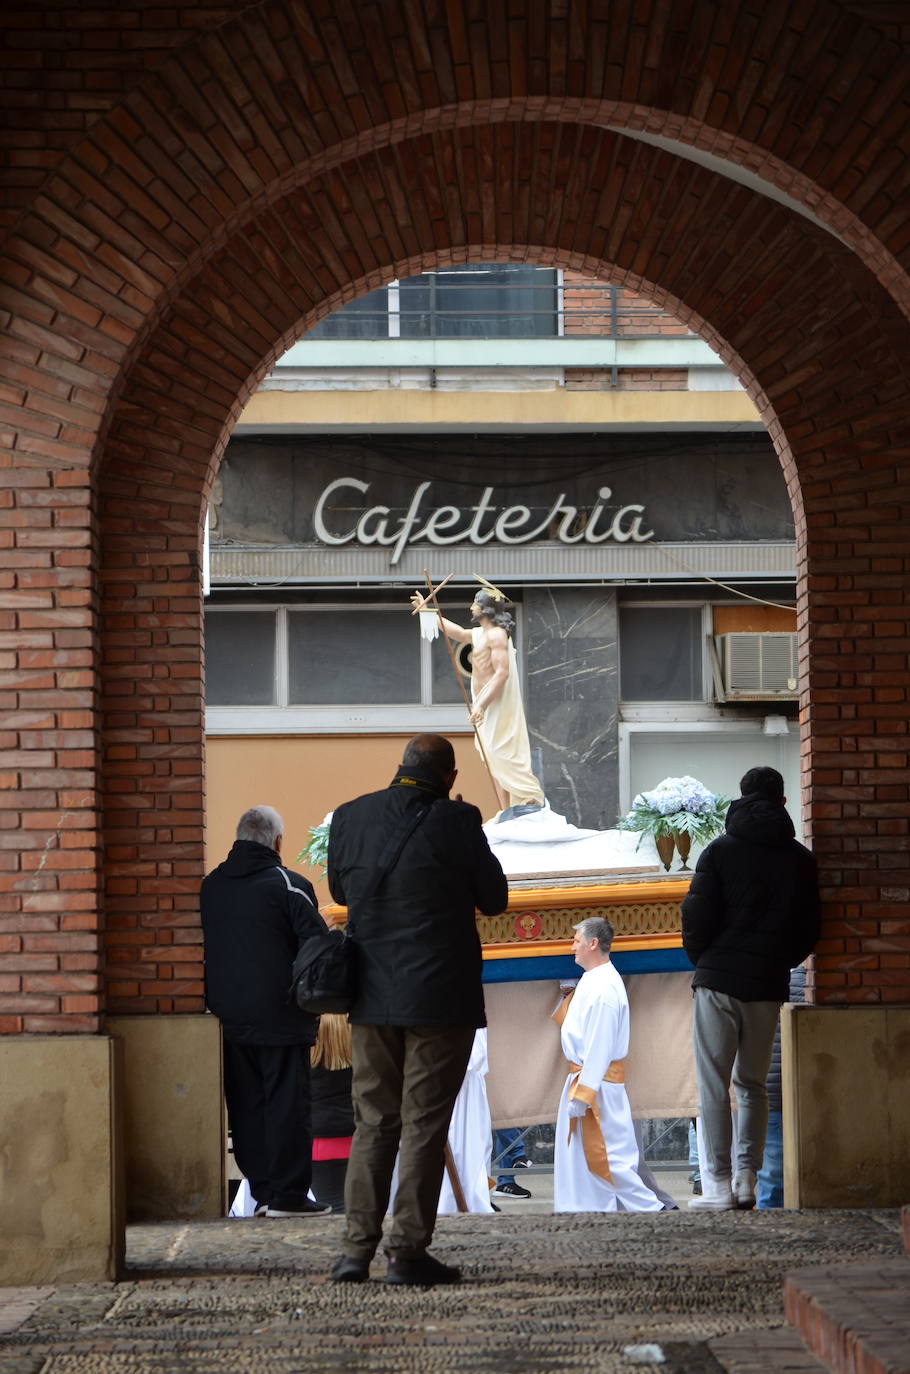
[(597, 1154), (470, 1137), (470, 1141)]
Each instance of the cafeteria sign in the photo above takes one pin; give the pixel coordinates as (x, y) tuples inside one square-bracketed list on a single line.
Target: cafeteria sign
[(480, 524)]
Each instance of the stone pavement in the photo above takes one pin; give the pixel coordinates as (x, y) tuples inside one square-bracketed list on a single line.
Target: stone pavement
[(540, 1293)]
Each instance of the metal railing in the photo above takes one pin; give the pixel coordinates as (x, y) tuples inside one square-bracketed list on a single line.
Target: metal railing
[(498, 302)]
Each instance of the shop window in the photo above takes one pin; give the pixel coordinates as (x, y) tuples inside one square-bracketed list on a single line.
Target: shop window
[(240, 658), (349, 657), (661, 651)]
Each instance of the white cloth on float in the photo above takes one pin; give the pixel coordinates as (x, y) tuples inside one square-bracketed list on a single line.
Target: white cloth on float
[(595, 1035), (545, 842), (470, 1139), (504, 734)]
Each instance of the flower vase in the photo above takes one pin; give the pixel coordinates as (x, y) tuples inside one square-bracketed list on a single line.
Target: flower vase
[(664, 846), (683, 844)]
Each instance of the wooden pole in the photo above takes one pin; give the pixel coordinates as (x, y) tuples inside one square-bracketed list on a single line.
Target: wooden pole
[(455, 1181)]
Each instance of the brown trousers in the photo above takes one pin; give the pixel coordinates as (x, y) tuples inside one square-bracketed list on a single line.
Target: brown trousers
[(406, 1079)]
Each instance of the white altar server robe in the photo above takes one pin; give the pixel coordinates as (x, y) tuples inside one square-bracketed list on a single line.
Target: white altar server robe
[(595, 1034), (471, 1136)]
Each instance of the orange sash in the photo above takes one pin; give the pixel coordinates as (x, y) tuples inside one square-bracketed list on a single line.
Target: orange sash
[(592, 1136)]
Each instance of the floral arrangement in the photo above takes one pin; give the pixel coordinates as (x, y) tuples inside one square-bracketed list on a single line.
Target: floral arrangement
[(316, 853), (677, 806)]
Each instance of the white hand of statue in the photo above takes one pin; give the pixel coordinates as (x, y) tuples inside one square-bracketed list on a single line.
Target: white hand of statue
[(577, 1107)]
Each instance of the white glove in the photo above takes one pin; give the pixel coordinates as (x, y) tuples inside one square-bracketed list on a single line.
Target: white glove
[(577, 1107)]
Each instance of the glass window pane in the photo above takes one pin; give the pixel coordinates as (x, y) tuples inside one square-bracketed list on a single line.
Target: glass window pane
[(365, 318), (365, 658), (660, 653), (445, 684), (240, 658), (496, 301)]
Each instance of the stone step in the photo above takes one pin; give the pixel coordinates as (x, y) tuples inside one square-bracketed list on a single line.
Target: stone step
[(905, 1227), (776, 1351), (856, 1318)]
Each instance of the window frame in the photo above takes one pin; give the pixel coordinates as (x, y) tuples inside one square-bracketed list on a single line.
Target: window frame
[(663, 704), (366, 718)]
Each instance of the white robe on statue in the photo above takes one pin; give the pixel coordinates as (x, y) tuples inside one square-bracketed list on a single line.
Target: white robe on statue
[(595, 1034), (504, 733)]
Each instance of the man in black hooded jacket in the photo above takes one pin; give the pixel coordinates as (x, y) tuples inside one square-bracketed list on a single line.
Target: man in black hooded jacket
[(751, 914), (411, 866), (255, 916)]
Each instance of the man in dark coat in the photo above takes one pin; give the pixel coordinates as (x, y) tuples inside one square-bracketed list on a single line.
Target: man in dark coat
[(255, 915), (751, 914), (412, 867)]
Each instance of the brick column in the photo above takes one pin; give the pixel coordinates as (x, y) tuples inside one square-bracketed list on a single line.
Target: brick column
[(49, 922)]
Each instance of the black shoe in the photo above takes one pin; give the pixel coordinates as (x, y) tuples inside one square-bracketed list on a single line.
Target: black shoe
[(307, 1209), (512, 1189), (350, 1270), (422, 1272), (523, 1163)]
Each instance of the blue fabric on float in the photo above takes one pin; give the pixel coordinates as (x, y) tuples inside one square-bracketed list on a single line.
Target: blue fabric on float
[(556, 966)]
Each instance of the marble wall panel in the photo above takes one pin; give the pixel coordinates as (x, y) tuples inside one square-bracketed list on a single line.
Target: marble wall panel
[(572, 685)]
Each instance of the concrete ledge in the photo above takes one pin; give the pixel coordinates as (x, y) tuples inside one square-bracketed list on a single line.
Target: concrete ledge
[(905, 1227), (61, 1194), (173, 1116), (846, 1106), (856, 1318)]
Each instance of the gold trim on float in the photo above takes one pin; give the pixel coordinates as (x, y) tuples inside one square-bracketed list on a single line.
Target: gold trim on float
[(542, 919), (534, 949)]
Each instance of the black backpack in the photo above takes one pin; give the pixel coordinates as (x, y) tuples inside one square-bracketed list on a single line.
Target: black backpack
[(323, 978), (323, 975)]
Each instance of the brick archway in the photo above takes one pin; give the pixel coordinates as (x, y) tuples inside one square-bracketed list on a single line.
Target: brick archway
[(184, 217), (566, 195)]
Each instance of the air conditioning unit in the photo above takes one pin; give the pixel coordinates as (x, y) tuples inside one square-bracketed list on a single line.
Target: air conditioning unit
[(758, 667)]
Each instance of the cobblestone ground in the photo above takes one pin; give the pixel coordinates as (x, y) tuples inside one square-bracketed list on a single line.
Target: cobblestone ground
[(539, 1294)]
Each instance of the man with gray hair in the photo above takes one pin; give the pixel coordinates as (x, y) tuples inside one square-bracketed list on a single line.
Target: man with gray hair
[(597, 1154), (255, 916)]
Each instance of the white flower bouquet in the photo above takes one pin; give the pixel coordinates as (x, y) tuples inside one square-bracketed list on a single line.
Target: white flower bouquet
[(677, 806)]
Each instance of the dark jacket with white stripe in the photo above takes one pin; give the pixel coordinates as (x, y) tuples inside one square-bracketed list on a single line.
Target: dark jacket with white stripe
[(255, 915)]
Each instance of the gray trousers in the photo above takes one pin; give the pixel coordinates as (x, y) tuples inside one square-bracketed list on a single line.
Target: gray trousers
[(733, 1041), (405, 1082)]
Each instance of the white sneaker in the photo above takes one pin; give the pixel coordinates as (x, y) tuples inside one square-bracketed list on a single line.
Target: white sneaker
[(744, 1188), (716, 1195)]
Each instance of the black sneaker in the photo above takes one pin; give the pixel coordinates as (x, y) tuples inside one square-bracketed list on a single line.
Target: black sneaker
[(423, 1272), (308, 1209), (512, 1189), (523, 1163)]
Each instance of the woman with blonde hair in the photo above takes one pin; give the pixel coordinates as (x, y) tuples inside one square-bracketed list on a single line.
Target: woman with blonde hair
[(332, 1110)]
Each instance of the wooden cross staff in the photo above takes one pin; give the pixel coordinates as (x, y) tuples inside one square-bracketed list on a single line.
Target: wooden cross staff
[(430, 602)]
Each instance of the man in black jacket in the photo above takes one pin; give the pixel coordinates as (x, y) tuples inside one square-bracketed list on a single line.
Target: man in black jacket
[(411, 866), (255, 915), (751, 914)]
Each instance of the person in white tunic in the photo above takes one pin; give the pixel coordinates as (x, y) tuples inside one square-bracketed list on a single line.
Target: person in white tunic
[(597, 1154), (470, 1137), (470, 1141)]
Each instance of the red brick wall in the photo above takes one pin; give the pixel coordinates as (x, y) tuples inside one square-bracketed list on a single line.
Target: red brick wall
[(175, 220)]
